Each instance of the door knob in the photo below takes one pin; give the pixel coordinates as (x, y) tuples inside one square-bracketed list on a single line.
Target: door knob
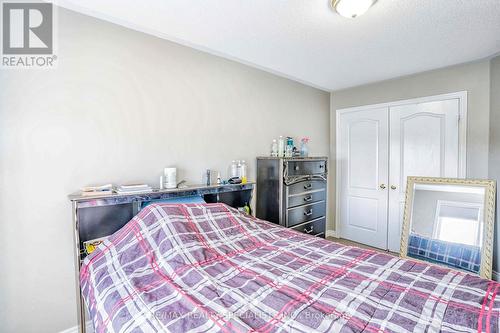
[(393, 187), (382, 186)]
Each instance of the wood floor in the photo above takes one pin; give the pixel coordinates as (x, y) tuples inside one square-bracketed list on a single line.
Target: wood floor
[(351, 243)]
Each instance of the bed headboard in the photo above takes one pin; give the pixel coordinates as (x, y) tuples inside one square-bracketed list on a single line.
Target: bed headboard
[(101, 216)]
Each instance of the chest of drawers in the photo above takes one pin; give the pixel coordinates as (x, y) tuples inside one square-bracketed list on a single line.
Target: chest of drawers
[(292, 192)]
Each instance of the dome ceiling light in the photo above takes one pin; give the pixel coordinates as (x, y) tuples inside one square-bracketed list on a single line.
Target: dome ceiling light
[(352, 8)]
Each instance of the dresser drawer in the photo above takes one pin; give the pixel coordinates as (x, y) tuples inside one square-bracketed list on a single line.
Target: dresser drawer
[(306, 198), (305, 186), (300, 168), (305, 213), (315, 228)]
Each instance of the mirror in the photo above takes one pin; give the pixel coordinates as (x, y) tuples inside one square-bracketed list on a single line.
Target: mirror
[(449, 222)]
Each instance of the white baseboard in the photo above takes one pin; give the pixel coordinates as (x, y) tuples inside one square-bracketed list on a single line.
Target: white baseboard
[(74, 329), (331, 233)]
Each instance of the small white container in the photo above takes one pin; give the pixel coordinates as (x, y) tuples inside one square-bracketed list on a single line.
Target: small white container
[(170, 177), (281, 146), (274, 148)]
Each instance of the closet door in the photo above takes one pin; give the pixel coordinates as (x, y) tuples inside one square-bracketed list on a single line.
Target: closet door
[(363, 152), (423, 142)]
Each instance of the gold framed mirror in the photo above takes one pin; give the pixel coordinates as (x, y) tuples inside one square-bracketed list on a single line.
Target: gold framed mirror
[(449, 222)]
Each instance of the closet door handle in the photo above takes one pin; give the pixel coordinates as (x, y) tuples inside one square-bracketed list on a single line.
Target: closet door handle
[(382, 186), (393, 187)]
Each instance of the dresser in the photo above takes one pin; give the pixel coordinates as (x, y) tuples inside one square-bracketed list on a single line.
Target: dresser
[(292, 192)]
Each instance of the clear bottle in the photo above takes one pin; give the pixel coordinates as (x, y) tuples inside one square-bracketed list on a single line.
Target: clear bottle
[(234, 169), (281, 146), (274, 148), (289, 147), (304, 149), (238, 169), (243, 172), (209, 177)]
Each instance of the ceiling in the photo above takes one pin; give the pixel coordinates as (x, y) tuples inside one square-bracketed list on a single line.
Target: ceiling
[(305, 40)]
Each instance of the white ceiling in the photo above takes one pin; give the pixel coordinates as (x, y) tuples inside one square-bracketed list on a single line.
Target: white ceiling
[(307, 41)]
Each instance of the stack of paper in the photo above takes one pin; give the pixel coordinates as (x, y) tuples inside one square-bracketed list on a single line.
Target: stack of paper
[(97, 190), (133, 188)]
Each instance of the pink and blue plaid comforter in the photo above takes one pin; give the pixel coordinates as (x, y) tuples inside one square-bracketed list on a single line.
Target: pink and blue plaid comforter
[(208, 268)]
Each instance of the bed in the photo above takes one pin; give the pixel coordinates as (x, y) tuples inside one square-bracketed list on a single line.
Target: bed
[(210, 268)]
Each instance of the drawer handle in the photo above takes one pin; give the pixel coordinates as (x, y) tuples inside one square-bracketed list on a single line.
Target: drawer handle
[(307, 186), (309, 231), (309, 212), (308, 198)]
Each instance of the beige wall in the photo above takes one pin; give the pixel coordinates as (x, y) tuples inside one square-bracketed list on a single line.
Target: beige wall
[(473, 77), (425, 205), (121, 106), (494, 152)]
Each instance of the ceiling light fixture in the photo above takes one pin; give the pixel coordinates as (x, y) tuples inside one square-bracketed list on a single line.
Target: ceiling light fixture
[(352, 8)]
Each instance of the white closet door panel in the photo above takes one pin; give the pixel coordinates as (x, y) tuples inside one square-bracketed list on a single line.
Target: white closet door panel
[(423, 142), (363, 152)]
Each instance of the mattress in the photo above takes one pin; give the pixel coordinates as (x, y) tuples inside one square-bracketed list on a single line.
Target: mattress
[(209, 268)]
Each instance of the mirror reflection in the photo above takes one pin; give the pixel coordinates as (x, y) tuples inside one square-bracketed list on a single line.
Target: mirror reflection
[(447, 225)]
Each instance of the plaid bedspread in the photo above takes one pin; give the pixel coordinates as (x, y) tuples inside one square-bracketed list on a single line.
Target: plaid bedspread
[(466, 257), (208, 268)]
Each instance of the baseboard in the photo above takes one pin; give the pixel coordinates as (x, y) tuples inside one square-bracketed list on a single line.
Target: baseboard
[(331, 233), (74, 329)]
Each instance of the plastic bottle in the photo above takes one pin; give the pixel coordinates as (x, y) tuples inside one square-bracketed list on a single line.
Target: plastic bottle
[(209, 177), (234, 169), (238, 169), (247, 208), (274, 148), (289, 147), (281, 146), (243, 172), (304, 149)]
